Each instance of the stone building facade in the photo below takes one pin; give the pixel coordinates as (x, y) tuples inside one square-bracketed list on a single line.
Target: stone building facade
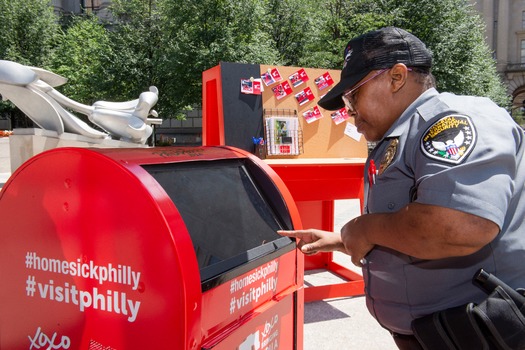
[(505, 35)]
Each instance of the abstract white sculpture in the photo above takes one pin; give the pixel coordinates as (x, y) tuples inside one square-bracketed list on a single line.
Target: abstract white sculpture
[(32, 91)]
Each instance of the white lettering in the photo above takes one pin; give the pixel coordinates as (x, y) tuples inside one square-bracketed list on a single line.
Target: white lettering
[(134, 308), (121, 274), (136, 279), (112, 301), (41, 340)]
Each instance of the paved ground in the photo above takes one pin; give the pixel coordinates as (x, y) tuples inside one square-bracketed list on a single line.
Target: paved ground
[(334, 324), (344, 323)]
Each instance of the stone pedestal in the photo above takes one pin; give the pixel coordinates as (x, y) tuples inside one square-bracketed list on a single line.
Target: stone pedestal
[(26, 143)]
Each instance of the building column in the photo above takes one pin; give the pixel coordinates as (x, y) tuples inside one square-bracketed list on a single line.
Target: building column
[(503, 29)]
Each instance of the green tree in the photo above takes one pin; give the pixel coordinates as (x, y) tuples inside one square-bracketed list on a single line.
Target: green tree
[(134, 34), (79, 57), (451, 29), (29, 33), (292, 25), (170, 43), (454, 31), (199, 34), (342, 20)]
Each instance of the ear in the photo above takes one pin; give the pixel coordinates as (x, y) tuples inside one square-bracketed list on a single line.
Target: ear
[(398, 74)]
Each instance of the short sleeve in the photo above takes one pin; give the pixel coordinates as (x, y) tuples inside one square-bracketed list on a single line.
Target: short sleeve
[(464, 164)]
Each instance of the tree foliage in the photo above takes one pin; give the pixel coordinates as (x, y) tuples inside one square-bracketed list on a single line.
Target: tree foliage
[(293, 25), (199, 34), (170, 43), (29, 31), (342, 20), (79, 58), (454, 31), (29, 34), (451, 29), (134, 35)]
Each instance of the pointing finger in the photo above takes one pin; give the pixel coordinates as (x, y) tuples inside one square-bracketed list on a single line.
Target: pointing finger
[(293, 233)]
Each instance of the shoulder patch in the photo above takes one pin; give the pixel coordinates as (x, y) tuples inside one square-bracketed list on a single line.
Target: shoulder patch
[(450, 139)]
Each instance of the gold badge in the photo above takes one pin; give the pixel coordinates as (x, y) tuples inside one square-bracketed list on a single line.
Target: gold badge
[(389, 155)]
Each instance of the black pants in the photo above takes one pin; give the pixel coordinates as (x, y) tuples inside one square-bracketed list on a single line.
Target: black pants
[(406, 342)]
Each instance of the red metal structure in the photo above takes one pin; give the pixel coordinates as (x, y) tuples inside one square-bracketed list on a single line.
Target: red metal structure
[(134, 249), (315, 183)]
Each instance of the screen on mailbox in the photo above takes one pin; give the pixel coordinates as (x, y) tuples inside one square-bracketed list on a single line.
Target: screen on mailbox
[(229, 220)]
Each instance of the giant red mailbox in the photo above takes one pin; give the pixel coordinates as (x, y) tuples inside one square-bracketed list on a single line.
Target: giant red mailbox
[(158, 248)]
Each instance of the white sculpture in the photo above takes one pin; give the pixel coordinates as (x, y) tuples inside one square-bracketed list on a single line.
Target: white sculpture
[(32, 91)]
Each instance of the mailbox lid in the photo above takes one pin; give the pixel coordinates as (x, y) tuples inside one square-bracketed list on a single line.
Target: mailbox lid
[(232, 211)]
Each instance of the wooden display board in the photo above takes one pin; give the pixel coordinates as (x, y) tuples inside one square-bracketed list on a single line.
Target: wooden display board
[(321, 138)]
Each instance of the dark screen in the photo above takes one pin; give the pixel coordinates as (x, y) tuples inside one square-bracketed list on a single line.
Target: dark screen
[(224, 211)]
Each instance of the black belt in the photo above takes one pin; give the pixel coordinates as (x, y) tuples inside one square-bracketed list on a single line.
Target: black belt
[(406, 342)]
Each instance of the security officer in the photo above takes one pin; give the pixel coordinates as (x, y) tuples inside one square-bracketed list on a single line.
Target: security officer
[(443, 186)]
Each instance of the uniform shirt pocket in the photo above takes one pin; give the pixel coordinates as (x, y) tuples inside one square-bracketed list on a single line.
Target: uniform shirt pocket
[(389, 196)]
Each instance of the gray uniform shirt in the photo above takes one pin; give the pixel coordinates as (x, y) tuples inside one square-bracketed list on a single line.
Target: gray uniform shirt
[(458, 152)]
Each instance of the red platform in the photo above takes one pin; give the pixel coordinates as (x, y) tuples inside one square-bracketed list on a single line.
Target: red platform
[(315, 184)]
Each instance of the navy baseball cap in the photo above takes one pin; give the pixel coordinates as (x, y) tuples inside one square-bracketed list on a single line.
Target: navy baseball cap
[(374, 50)]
